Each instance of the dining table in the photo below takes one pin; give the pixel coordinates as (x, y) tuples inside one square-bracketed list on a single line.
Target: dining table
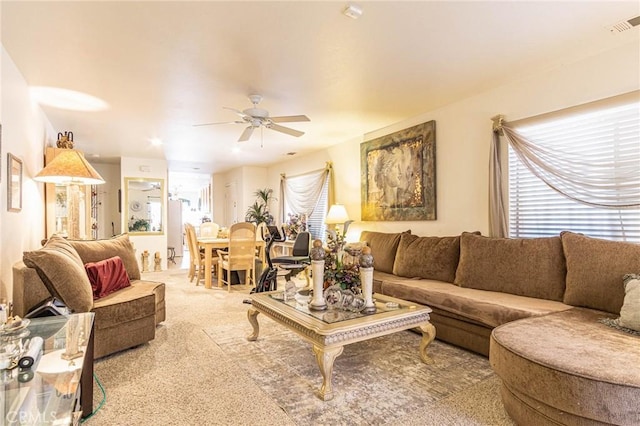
[(209, 244)]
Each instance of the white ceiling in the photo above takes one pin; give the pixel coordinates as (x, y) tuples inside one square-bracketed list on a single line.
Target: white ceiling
[(164, 66)]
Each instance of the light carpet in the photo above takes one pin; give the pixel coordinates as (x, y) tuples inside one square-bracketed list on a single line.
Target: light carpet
[(201, 370)]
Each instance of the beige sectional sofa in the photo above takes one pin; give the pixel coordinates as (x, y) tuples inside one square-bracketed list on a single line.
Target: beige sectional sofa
[(534, 306), (123, 319)]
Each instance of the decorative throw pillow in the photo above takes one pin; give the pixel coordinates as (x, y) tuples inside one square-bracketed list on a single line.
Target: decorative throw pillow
[(630, 312), (61, 270), (383, 248), (92, 251), (107, 276)]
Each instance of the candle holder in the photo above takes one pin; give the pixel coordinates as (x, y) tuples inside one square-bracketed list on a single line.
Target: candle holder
[(317, 269), (366, 279)]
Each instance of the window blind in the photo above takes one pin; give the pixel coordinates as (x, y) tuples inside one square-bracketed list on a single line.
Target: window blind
[(610, 135), (315, 221)]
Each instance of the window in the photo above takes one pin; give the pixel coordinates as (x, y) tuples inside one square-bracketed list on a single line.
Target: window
[(607, 135), (308, 194)]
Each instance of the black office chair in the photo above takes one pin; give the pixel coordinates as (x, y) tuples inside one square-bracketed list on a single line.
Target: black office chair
[(299, 256)]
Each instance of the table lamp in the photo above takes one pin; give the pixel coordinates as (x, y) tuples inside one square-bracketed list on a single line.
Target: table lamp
[(338, 215)]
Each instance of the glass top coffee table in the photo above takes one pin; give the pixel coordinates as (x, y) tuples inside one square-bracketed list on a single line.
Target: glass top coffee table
[(329, 331)]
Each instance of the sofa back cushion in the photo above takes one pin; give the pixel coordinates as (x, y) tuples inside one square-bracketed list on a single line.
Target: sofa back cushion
[(532, 267), (383, 248), (62, 272), (107, 276), (595, 269), (434, 258), (92, 251)]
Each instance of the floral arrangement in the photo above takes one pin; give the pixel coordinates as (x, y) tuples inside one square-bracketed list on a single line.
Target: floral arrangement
[(336, 270), (295, 224)]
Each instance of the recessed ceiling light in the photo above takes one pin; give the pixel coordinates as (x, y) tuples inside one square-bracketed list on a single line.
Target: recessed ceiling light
[(155, 141), (67, 99), (353, 11), (235, 150)]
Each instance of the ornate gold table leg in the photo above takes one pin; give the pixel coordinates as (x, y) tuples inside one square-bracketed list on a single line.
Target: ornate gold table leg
[(325, 358), (428, 334), (252, 316)]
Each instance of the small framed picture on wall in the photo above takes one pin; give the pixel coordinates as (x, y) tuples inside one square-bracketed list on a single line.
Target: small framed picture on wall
[(14, 183)]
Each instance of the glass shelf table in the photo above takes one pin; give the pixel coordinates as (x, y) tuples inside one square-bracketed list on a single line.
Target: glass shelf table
[(57, 389)]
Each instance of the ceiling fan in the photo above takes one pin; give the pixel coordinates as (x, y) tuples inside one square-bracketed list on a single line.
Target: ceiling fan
[(257, 117)]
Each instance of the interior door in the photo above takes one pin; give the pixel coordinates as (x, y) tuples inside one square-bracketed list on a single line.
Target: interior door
[(230, 204)]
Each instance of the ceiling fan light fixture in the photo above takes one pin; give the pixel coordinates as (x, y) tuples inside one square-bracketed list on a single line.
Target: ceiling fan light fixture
[(259, 118)]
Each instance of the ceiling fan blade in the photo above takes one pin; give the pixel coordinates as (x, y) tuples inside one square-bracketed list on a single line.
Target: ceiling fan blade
[(246, 134), (220, 122), (287, 130), (240, 113), (289, 118)]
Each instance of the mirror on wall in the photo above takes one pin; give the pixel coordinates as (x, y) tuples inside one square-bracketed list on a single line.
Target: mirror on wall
[(144, 204)]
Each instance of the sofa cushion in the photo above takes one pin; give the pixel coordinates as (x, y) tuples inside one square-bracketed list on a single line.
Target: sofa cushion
[(62, 271), (434, 258), (383, 248), (595, 268), (129, 304), (107, 276), (96, 250), (532, 267), (486, 308)]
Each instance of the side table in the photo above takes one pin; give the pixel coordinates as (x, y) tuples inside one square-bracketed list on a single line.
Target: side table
[(58, 388)]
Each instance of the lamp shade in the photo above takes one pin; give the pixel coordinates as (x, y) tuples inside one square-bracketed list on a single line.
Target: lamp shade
[(337, 214), (69, 167)]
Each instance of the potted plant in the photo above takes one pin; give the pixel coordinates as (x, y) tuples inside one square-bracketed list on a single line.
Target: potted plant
[(258, 212), (139, 225)]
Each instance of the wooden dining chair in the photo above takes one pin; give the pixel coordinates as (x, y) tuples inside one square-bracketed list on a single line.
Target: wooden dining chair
[(196, 258), (240, 255), (209, 229), (261, 231)]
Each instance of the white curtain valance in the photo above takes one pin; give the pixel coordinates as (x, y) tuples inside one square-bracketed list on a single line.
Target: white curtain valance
[(576, 167), (301, 193)]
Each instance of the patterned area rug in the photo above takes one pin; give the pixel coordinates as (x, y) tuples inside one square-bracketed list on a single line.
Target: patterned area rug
[(379, 381)]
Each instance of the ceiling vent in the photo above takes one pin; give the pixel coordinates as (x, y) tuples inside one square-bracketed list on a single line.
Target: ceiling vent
[(625, 25)]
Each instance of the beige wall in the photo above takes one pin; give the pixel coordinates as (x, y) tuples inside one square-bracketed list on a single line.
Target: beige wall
[(108, 198), (463, 136), (25, 133), (247, 181)]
